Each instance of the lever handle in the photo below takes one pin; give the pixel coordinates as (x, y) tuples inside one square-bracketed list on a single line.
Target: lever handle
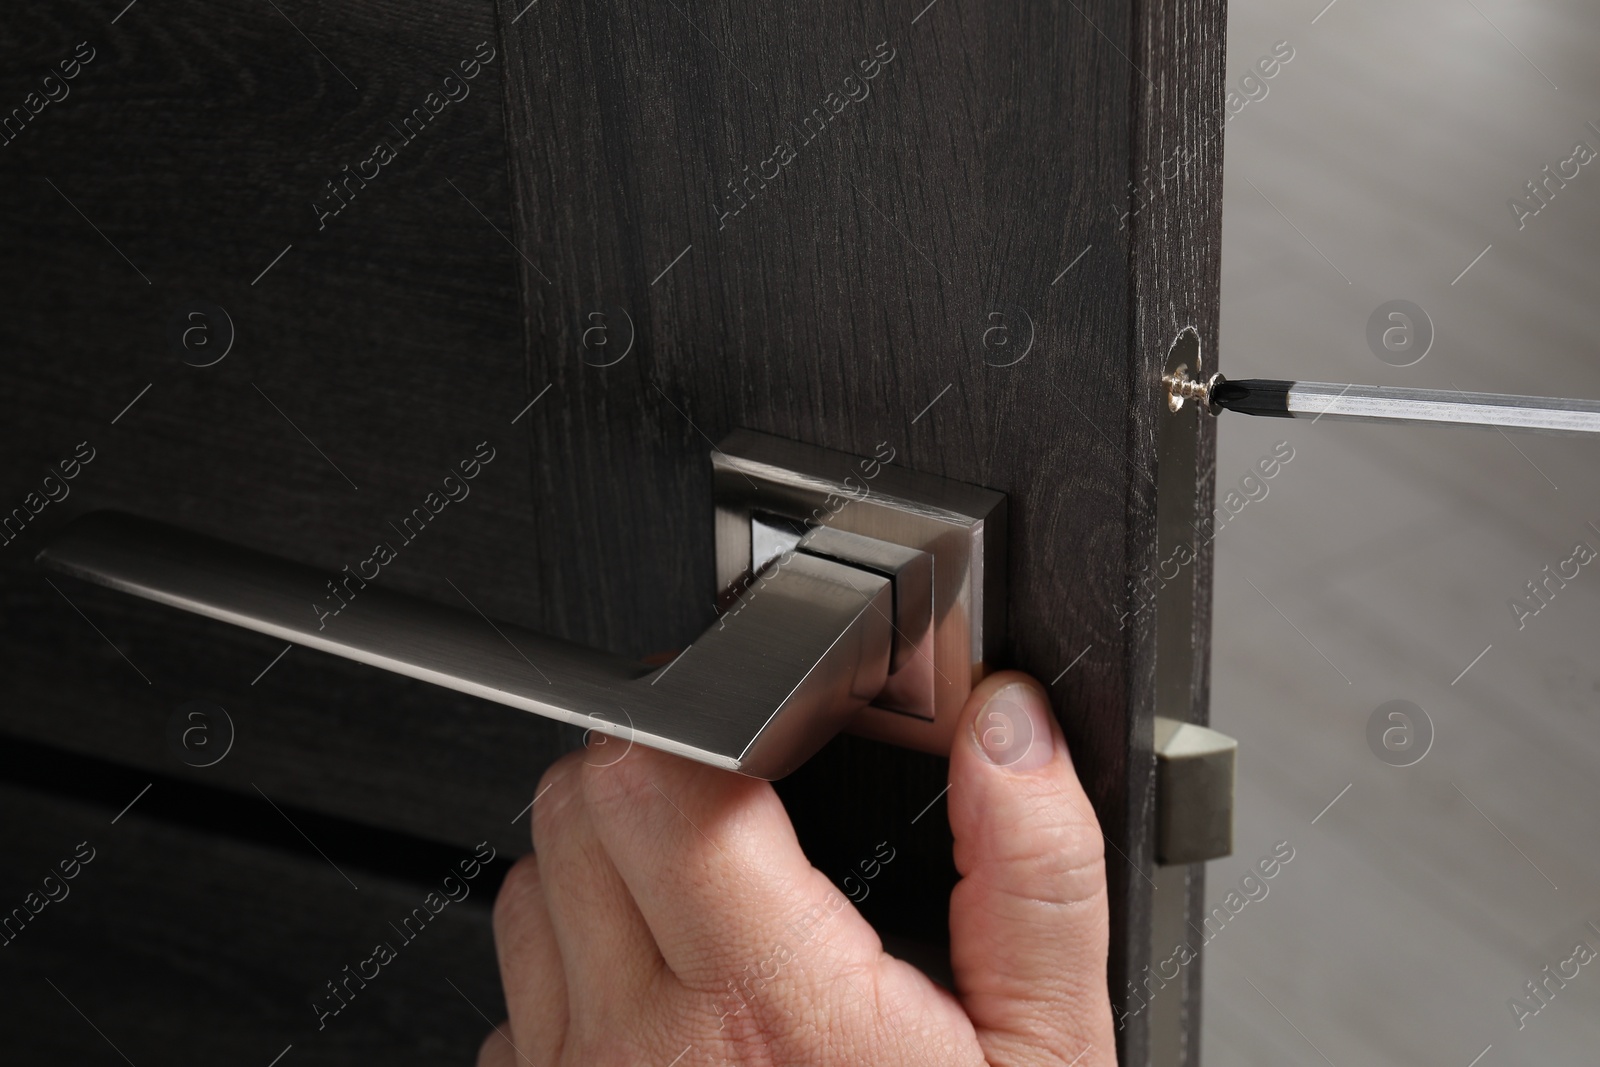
[(759, 692), (855, 593)]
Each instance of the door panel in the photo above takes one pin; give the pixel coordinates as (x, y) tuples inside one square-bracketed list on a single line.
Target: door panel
[(382, 349), (860, 225), (194, 143), (959, 256), (211, 943)]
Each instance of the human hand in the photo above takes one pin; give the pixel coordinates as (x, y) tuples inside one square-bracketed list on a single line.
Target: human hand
[(658, 883)]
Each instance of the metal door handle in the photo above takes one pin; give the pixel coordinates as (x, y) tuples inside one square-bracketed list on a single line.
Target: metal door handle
[(883, 598)]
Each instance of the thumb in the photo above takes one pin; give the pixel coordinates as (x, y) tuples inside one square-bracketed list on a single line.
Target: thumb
[(1029, 922)]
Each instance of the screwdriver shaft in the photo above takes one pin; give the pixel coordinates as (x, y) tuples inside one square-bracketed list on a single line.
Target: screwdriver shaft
[(1388, 403)]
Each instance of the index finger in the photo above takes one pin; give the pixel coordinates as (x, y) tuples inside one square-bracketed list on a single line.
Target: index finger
[(719, 876)]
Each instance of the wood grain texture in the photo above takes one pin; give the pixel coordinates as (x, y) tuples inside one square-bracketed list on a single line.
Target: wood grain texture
[(1175, 218), (195, 142), (190, 946), (316, 730), (939, 263), (381, 348)]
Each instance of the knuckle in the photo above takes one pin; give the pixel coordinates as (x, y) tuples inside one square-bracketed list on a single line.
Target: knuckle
[(610, 1048), (1063, 868), (1050, 846), (558, 792), (616, 783), (771, 1029), (794, 1016), (1059, 883), (491, 1052), (521, 883)]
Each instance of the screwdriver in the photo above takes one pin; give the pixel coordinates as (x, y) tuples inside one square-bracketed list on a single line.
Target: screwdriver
[(1385, 403)]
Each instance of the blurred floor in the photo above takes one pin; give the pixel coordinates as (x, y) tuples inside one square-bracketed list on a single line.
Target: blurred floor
[(1378, 166)]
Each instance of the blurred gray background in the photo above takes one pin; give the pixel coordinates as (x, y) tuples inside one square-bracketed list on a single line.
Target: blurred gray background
[(1378, 166)]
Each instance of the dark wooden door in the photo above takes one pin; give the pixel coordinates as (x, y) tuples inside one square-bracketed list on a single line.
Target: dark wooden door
[(598, 236)]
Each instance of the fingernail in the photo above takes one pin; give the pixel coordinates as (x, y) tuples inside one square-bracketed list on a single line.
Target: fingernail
[(1012, 730)]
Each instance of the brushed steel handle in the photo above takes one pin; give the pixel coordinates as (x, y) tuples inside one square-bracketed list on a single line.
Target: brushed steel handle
[(809, 639), (758, 695)]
